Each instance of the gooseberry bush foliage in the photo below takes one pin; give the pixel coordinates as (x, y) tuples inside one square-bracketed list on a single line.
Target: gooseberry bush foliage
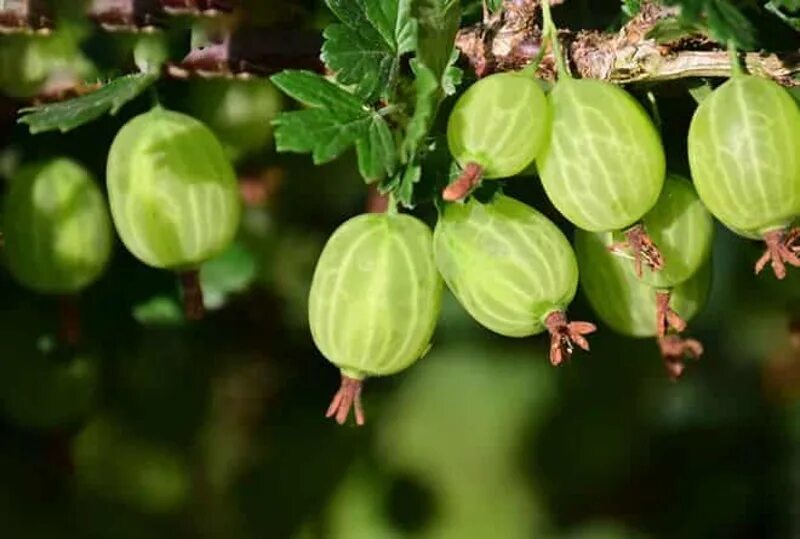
[(438, 122)]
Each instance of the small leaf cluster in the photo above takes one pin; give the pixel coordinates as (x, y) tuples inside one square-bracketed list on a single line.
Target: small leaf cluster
[(391, 65)]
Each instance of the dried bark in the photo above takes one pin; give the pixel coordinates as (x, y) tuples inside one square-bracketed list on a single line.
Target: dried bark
[(512, 38)]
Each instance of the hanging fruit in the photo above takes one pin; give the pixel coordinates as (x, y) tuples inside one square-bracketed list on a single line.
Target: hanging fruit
[(683, 230), (374, 301), (512, 270), (173, 194), (745, 163), (636, 309), (496, 129)]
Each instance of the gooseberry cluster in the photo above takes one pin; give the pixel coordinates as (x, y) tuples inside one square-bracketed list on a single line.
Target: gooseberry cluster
[(174, 203), (642, 241)]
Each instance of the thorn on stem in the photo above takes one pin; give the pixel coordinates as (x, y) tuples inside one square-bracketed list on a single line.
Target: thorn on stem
[(348, 396), (565, 335), (464, 184), (781, 249)]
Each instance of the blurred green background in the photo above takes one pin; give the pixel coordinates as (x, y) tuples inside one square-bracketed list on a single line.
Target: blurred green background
[(157, 428)]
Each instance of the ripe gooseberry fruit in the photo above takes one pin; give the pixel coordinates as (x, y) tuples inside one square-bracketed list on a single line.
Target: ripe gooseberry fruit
[(512, 270), (56, 226), (173, 193), (496, 129), (745, 163), (603, 165), (374, 301), (683, 230), (239, 112), (636, 309), (57, 233)]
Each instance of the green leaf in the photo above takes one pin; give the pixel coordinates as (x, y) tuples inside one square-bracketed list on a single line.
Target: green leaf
[(494, 5), (727, 23), (229, 273), (426, 87), (788, 5), (336, 121), (631, 7), (73, 113), (438, 23), (452, 75), (774, 8), (432, 80), (392, 18), (364, 49), (724, 21), (159, 311), (700, 90), (316, 91), (376, 151), (321, 132), (403, 185), (672, 29)]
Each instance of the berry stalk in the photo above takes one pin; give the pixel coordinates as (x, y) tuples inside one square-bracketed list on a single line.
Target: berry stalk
[(69, 315), (192, 295), (464, 184)]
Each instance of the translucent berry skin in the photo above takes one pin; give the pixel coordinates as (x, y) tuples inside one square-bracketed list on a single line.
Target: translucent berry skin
[(375, 295), (57, 229), (744, 155), (507, 264), (239, 112), (173, 192), (683, 230), (622, 301), (500, 123), (603, 165)]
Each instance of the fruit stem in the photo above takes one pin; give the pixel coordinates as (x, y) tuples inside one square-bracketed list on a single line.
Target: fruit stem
[(461, 188), (192, 295), (781, 250), (564, 335), (736, 66), (348, 396), (377, 202), (551, 33), (69, 331)]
